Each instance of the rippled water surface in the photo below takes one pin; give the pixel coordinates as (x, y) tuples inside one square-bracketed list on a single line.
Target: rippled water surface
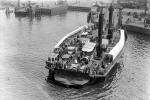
[(25, 44)]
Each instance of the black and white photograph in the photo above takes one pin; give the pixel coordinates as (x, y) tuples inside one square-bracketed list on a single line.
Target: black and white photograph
[(74, 49)]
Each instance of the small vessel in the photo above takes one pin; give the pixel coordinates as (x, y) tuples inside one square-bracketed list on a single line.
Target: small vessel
[(87, 54), (31, 9), (7, 11), (27, 9), (22, 11)]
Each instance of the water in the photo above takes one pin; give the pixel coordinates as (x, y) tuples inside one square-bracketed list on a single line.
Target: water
[(25, 44)]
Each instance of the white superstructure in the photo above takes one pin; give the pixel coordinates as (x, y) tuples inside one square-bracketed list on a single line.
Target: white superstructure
[(119, 46)]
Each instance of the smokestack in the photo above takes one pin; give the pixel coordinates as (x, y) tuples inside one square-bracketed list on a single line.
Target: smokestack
[(110, 15), (100, 31), (120, 18), (110, 31)]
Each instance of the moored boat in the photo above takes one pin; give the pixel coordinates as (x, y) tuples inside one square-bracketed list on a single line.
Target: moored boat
[(27, 9), (89, 53), (8, 11)]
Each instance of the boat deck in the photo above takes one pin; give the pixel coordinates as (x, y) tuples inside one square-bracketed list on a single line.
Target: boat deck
[(73, 59)]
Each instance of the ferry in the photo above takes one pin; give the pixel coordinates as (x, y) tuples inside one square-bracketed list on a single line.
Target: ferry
[(89, 53)]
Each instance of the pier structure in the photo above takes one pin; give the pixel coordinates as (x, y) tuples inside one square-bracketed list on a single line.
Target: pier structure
[(85, 6), (80, 6), (134, 21), (54, 10)]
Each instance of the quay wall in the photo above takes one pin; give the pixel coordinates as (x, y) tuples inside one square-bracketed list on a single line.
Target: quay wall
[(54, 10), (79, 8), (137, 29), (45, 11), (59, 9)]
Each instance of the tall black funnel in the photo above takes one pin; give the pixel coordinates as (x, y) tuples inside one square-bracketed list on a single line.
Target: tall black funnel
[(110, 30), (100, 31)]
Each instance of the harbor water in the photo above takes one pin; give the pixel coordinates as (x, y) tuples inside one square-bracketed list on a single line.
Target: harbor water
[(26, 43)]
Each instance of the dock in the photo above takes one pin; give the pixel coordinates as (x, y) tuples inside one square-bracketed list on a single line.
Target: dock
[(84, 7), (135, 24), (137, 27)]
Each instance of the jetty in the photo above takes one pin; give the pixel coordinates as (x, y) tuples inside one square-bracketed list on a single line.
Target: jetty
[(84, 6), (59, 7), (134, 21), (80, 6), (138, 27)]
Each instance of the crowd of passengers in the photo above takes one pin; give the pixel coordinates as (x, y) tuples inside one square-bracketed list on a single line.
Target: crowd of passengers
[(78, 56), (77, 52), (91, 69)]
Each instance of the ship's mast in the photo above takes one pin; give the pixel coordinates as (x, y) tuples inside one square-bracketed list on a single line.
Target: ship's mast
[(18, 3), (145, 7), (148, 5), (120, 15), (42, 3)]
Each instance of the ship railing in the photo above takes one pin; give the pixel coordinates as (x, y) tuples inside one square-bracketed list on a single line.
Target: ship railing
[(96, 68), (78, 30), (66, 67), (91, 69)]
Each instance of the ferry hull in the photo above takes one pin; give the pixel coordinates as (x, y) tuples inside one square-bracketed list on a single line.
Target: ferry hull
[(71, 78)]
